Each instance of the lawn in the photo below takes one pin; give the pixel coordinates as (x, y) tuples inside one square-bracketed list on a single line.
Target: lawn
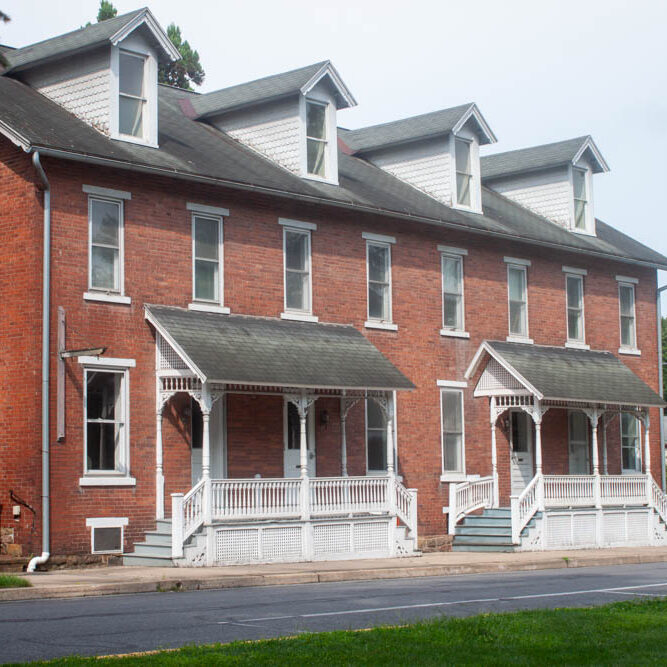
[(623, 633), (12, 581)]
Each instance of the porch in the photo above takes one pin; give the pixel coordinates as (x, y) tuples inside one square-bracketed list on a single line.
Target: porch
[(284, 367), (591, 508)]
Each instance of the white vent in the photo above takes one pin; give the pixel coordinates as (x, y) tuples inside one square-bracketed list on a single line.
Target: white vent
[(167, 358), (583, 529), (371, 536), (237, 546), (331, 538), (281, 543), (559, 531), (613, 527), (637, 526), (496, 378)]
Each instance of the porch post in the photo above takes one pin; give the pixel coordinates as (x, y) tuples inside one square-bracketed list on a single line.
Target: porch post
[(594, 417), (303, 443), (604, 446), (537, 418), (206, 404), (494, 453), (391, 472), (647, 443), (343, 437), (159, 473)]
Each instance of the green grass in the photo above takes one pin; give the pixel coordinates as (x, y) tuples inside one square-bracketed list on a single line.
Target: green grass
[(624, 633), (11, 581)]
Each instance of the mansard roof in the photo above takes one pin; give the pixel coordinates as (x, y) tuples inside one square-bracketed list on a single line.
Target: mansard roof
[(545, 156), (109, 31), (194, 150), (411, 129), (270, 88)]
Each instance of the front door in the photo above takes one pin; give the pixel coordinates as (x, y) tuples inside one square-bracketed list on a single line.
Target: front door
[(521, 443), (217, 435), (579, 450), (292, 437)]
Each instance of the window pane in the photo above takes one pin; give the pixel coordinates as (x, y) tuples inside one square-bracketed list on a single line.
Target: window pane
[(574, 295), (452, 452), (451, 313), (579, 214), (377, 449), (451, 275), (296, 250), (107, 539), (131, 75), (517, 318), (574, 328), (378, 301), (374, 415), (378, 263), (297, 290), (451, 411), (130, 116), (104, 269), (463, 189), (628, 331), (316, 156), (101, 392), (517, 284), (102, 440), (206, 238), (579, 183), (105, 222), (462, 156), (629, 426), (315, 120), (206, 280), (578, 427), (627, 297)]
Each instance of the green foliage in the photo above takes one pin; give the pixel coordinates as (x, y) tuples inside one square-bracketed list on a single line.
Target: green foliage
[(106, 11), (4, 18), (11, 581), (185, 71)]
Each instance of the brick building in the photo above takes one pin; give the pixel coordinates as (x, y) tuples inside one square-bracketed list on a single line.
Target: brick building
[(271, 338)]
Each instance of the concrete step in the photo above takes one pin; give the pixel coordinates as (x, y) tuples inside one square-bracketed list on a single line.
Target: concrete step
[(153, 537), (484, 520), (483, 530), (483, 547), (482, 539), (159, 550), (147, 561), (498, 511), (163, 526)]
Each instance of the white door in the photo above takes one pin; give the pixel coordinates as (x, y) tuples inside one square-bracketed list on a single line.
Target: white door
[(579, 450), (292, 437), (218, 441), (521, 443)]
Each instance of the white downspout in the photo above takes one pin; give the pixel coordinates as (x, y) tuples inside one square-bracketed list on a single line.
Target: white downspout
[(46, 293), (660, 373)]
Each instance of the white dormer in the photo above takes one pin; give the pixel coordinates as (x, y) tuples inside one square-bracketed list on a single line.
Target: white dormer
[(554, 180), (290, 118), (437, 152)]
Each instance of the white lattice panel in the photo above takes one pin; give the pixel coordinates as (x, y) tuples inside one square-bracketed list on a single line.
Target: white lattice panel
[(559, 531), (637, 527), (237, 545), (167, 358), (495, 377), (613, 527), (331, 538), (371, 536), (278, 543), (583, 529)]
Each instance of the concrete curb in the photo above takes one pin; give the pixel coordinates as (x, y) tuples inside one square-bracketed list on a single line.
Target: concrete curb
[(176, 584)]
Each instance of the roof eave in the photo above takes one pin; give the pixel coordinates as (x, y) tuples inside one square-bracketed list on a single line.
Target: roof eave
[(146, 17), (343, 91), (485, 130), (589, 145)]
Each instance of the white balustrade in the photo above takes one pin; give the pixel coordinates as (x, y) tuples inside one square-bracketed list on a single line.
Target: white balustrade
[(569, 490), (623, 489), (524, 506), (657, 498), (345, 495), (255, 498), (193, 509), (469, 496)]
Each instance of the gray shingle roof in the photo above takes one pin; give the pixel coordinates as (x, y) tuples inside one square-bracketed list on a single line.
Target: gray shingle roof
[(533, 158), (190, 148), (266, 88), (404, 130), (71, 42), (239, 349), (577, 375)]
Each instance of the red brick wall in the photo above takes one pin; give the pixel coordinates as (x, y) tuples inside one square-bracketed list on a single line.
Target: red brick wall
[(158, 270)]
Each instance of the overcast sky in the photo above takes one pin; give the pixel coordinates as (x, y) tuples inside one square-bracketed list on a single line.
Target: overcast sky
[(539, 71)]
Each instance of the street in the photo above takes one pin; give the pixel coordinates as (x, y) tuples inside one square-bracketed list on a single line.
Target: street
[(32, 630)]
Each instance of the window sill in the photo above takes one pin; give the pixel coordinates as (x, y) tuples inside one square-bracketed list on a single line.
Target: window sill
[(577, 346), (209, 308), (519, 339), (299, 317), (107, 481), (453, 477), (107, 298), (630, 350), (320, 179), (387, 326), (452, 333), (129, 139)]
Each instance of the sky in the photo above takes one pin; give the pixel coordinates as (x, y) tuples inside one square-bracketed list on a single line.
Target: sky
[(539, 70)]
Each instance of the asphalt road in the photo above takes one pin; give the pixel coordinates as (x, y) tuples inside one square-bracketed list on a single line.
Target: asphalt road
[(41, 629)]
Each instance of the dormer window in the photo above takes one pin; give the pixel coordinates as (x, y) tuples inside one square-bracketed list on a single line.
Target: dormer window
[(463, 172), (316, 138), (580, 199), (132, 100)]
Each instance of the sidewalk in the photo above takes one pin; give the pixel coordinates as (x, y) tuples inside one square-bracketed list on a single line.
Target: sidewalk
[(118, 580)]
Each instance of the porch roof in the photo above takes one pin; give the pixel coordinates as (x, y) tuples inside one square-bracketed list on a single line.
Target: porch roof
[(245, 350), (565, 374)]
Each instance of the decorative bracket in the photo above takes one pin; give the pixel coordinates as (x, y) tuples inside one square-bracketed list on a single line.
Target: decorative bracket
[(163, 398), (385, 404), (302, 402), (346, 404)]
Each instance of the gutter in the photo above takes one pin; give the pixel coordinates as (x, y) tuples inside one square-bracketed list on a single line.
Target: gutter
[(46, 293), (172, 173), (660, 374)]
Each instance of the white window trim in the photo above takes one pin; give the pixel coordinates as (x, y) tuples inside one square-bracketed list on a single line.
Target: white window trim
[(452, 475), (570, 412), (590, 220), (459, 332), (627, 279), (573, 342), (206, 304), (516, 338), (107, 298), (112, 295), (628, 349), (106, 193), (639, 451), (451, 250), (107, 477), (574, 270), (305, 315), (207, 210), (517, 261), (377, 324), (475, 172), (331, 153), (378, 238), (369, 471), (107, 522), (297, 224), (370, 321)]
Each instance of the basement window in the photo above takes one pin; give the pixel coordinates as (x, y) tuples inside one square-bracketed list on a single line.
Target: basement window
[(106, 534)]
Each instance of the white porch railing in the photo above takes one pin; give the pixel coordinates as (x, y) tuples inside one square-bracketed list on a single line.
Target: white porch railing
[(193, 509), (524, 506), (657, 499), (569, 490), (467, 497), (346, 495), (255, 498), (623, 489)]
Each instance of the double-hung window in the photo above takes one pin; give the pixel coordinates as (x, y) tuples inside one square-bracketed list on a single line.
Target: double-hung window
[(630, 444), (378, 260), (105, 223), (132, 96), (580, 198), (574, 291), (297, 270), (207, 258), (463, 172), (452, 292), (451, 406), (316, 138), (626, 300), (376, 437), (518, 300)]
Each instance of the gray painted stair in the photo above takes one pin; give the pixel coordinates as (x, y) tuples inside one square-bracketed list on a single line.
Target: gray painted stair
[(155, 551), (489, 531)]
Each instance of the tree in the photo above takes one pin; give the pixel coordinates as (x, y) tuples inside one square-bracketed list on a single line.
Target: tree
[(4, 19), (106, 11), (184, 71)]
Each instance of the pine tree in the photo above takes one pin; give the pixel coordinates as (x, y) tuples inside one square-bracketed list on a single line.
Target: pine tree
[(106, 11), (185, 71), (3, 19)]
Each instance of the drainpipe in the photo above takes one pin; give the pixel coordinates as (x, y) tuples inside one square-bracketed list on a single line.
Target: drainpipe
[(46, 291), (660, 372)]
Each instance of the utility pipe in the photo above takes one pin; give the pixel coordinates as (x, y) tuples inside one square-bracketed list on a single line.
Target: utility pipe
[(46, 292), (660, 373)]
